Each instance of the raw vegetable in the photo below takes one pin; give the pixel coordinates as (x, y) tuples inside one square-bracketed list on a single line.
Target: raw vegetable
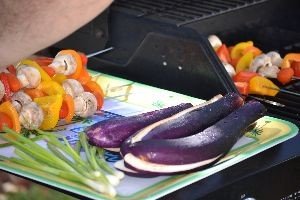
[(237, 50), (14, 83), (51, 88), (187, 122), (34, 93), (67, 110), (289, 58), (5, 121), (201, 149), (244, 76), (242, 87), (51, 106), (78, 61), (63, 161), (285, 75), (244, 62), (296, 67), (59, 78), (223, 54), (8, 109), (31, 63), (111, 133), (48, 70), (262, 86), (93, 87), (256, 51), (7, 91)]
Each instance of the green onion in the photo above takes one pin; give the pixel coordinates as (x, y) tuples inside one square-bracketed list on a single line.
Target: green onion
[(63, 161)]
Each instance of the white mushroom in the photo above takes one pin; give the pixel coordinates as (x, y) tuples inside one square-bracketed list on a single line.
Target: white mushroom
[(31, 116), (20, 99), (64, 64), (275, 58), (85, 104), (269, 71), (2, 91), (260, 61), (230, 70), (29, 76), (72, 87), (214, 41)]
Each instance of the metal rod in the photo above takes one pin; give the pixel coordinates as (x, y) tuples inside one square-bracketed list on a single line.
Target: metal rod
[(283, 91), (274, 103), (99, 52)]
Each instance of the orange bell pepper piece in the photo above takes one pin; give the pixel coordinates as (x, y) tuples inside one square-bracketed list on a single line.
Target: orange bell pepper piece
[(261, 85), (244, 62), (83, 57), (96, 89), (50, 71), (8, 109), (289, 58), (84, 76), (44, 75), (51, 106), (51, 88), (43, 61), (67, 110), (296, 67), (256, 51), (237, 50), (285, 75), (5, 121), (34, 92), (78, 61)]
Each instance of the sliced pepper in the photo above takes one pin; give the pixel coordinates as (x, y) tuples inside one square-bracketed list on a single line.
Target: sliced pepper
[(11, 69), (244, 76), (84, 76), (43, 61), (34, 92), (51, 106), (285, 75), (78, 61), (7, 91), (242, 87), (51, 88), (223, 54), (67, 110), (83, 57), (244, 62), (262, 86), (237, 50), (5, 121), (59, 78), (256, 51), (8, 109), (296, 67), (49, 70), (96, 89), (44, 75), (289, 58), (13, 81)]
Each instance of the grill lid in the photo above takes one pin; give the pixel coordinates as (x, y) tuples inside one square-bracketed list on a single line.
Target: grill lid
[(181, 12)]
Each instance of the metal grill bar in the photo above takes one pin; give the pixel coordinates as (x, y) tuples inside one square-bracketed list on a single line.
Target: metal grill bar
[(183, 11)]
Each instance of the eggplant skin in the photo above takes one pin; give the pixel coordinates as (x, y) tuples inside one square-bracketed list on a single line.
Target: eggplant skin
[(187, 122), (111, 133), (183, 154)]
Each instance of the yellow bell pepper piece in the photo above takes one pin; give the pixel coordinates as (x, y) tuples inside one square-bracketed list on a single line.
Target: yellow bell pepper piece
[(31, 63), (244, 62), (9, 110), (238, 49), (51, 106), (262, 86), (59, 78), (51, 88)]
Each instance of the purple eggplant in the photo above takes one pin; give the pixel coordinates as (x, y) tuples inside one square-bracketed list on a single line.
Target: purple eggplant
[(111, 133), (188, 153), (189, 121)]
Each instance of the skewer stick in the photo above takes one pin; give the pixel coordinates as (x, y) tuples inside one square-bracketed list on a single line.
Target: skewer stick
[(283, 91), (99, 52)]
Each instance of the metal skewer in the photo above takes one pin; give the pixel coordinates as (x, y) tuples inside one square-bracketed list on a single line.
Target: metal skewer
[(99, 52), (274, 103), (283, 91)]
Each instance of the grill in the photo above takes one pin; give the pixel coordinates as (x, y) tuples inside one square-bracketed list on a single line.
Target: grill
[(163, 43), (182, 12)]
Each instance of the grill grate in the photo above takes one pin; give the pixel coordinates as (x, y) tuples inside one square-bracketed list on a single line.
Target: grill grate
[(181, 12)]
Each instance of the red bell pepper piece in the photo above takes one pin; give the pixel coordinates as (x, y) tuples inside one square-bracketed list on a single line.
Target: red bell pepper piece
[(244, 76), (242, 87), (4, 80), (296, 67), (223, 54), (13, 81), (285, 75)]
